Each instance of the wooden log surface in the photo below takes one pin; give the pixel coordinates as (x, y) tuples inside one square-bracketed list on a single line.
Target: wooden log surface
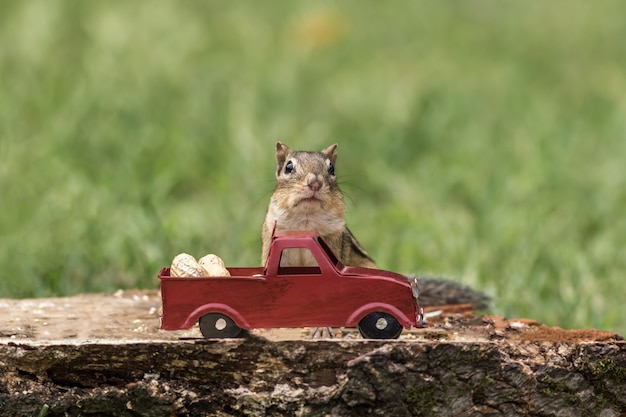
[(97, 355)]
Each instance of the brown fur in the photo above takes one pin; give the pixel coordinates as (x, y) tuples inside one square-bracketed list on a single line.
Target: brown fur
[(309, 198)]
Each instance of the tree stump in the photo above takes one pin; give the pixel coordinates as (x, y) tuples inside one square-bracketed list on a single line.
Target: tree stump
[(103, 355)]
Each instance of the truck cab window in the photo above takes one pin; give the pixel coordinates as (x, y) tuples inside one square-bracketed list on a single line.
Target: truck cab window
[(298, 261)]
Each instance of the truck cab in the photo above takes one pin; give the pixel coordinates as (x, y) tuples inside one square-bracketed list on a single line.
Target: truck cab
[(325, 293)]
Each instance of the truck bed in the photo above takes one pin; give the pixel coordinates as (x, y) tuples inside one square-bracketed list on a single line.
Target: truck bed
[(235, 272)]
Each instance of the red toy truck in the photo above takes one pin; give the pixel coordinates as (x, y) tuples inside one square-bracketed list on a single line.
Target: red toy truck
[(330, 294)]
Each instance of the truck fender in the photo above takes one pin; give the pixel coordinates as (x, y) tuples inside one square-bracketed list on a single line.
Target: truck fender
[(366, 309), (216, 308)]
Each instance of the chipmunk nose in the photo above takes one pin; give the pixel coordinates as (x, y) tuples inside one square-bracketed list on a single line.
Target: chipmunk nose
[(314, 182)]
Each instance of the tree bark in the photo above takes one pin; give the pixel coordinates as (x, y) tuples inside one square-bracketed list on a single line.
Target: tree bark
[(258, 377), (103, 355)]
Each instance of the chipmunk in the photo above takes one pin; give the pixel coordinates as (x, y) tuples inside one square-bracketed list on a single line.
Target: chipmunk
[(307, 197)]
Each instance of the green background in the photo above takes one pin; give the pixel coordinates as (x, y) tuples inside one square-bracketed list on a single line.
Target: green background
[(482, 141)]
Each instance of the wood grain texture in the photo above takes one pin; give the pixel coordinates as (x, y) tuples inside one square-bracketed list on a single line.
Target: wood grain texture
[(103, 355), (255, 376)]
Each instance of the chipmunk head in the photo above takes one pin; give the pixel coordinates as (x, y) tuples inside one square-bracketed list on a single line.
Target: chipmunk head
[(306, 181)]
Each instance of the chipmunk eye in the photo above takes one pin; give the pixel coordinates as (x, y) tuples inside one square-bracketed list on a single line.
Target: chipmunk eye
[(289, 167), (331, 169)]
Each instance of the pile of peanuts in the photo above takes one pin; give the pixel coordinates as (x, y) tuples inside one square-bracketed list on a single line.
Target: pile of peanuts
[(185, 265)]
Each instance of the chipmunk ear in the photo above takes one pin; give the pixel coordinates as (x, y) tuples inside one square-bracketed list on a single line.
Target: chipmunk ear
[(282, 151), (329, 153)]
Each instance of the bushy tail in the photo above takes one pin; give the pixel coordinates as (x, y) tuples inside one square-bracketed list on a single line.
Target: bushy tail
[(440, 291)]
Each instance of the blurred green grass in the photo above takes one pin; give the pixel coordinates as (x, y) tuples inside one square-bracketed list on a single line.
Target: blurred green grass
[(480, 141)]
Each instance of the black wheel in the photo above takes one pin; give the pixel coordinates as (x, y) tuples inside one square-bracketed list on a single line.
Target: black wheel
[(380, 325), (216, 325)]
